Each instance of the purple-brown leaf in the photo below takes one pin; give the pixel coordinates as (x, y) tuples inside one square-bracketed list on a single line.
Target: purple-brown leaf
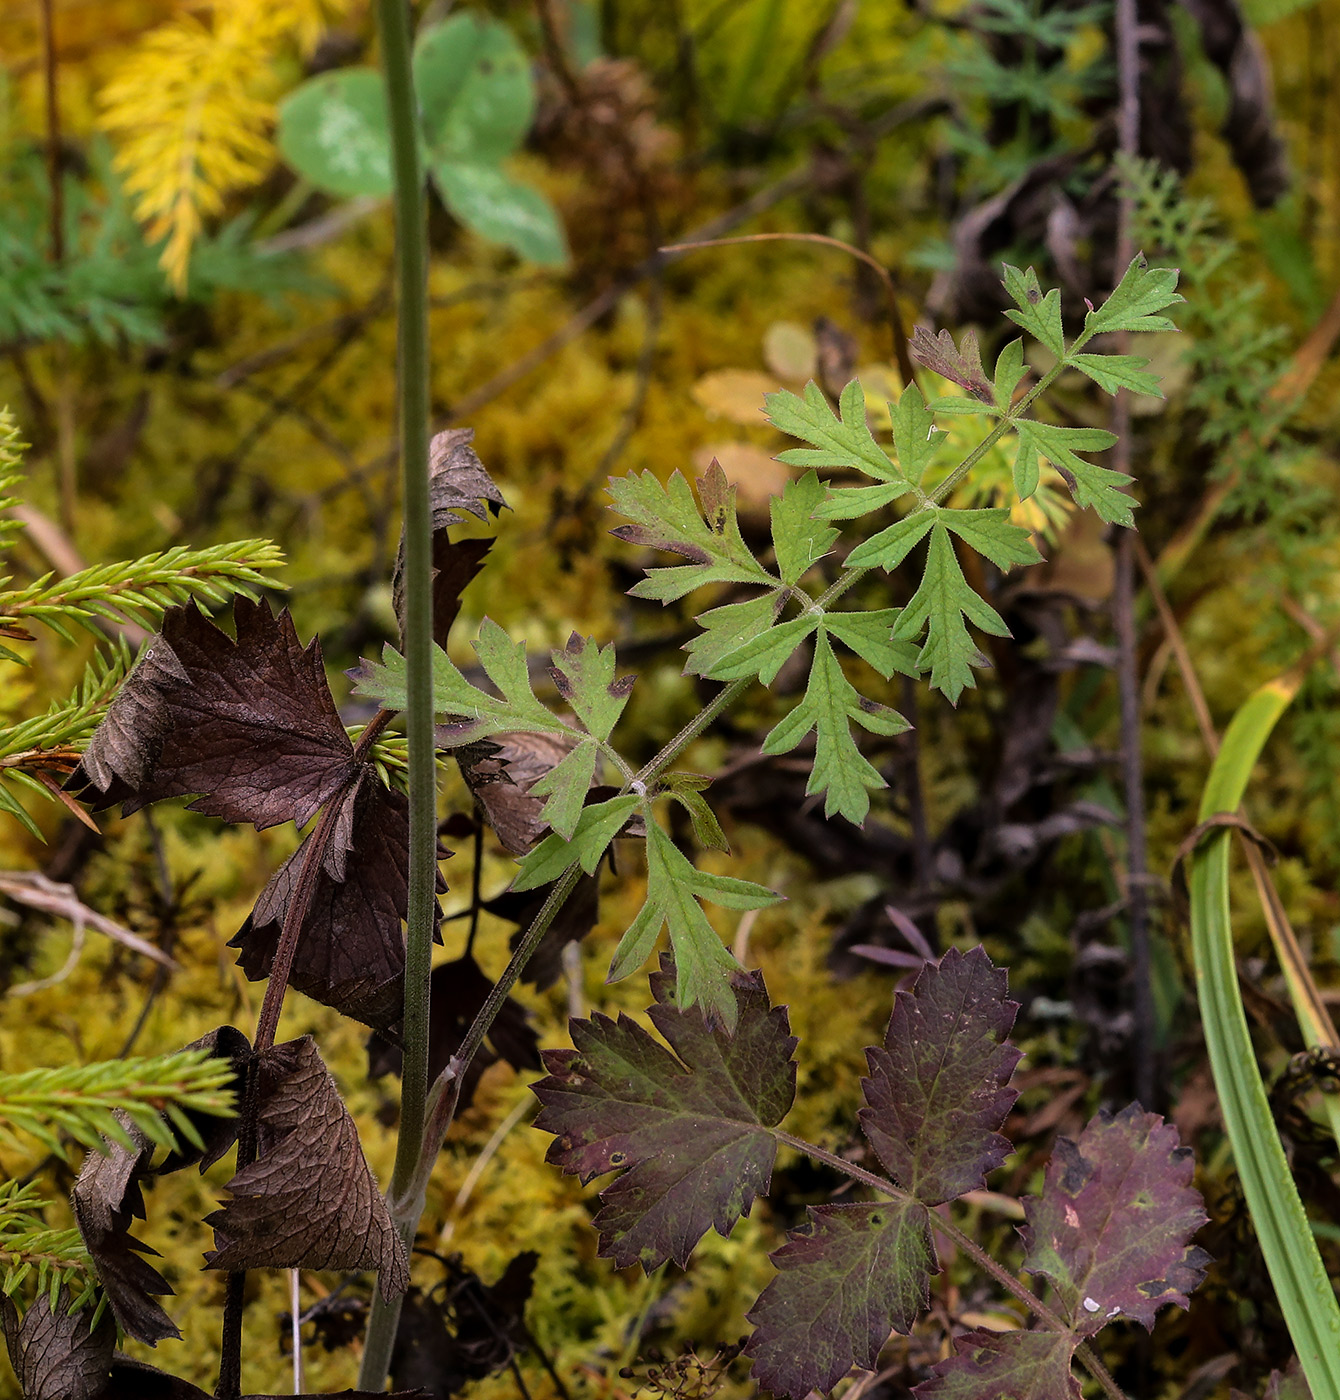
[(1112, 1229), (351, 952), (962, 364), (134, 1380), (57, 1356), (309, 1201), (937, 1092), (847, 1278), (691, 1133), (248, 724), (1020, 1365), (501, 770)]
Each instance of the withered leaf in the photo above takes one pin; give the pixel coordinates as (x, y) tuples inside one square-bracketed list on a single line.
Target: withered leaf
[(690, 1127), (351, 953), (501, 770), (248, 724), (846, 1278), (458, 485), (961, 364), (1113, 1226), (216, 1131), (309, 1200), (134, 1380), (57, 1356), (458, 990), (937, 1092)]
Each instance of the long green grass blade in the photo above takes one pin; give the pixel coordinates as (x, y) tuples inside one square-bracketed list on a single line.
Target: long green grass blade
[(1306, 1294)]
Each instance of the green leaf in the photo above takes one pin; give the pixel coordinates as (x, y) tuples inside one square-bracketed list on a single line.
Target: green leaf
[(475, 90), (836, 442), (1039, 315), (915, 436), (667, 517), (1010, 369), (956, 403), (992, 535), (584, 674), (566, 785), (497, 207), (1142, 291), (799, 540), (1114, 372), (334, 131), (870, 636), (890, 547), (849, 502), (830, 703), (765, 655), (597, 826), (703, 967), (941, 604), (1090, 484), (728, 627), (687, 790)]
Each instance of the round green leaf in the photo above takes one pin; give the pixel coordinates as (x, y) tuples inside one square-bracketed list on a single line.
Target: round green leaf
[(333, 131), (487, 200), (475, 90)]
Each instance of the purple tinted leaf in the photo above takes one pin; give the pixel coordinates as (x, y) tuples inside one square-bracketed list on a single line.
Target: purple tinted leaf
[(937, 1093), (1112, 1229), (846, 1279), (691, 1132), (56, 1356), (249, 724), (351, 952), (1020, 1365), (501, 770), (962, 365), (309, 1200), (217, 1132)]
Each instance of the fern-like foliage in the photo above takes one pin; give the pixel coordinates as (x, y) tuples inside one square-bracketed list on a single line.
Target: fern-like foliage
[(35, 752), (191, 110)]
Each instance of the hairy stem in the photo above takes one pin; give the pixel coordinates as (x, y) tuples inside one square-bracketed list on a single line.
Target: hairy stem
[(393, 29), (969, 1246)]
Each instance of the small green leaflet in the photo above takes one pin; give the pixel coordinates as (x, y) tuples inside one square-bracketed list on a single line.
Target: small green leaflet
[(989, 532), (940, 605), (674, 886), (1010, 369), (667, 517), (729, 627), (1039, 315), (915, 436), (829, 705), (844, 441), (1142, 291), (596, 827), (584, 675), (1112, 373), (799, 540), (1090, 484)]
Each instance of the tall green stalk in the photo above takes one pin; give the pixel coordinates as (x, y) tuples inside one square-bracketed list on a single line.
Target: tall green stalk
[(411, 249), (1306, 1295)]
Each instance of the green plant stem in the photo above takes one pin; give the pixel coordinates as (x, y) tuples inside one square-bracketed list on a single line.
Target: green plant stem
[(1306, 1295), (722, 700), (969, 1246), (393, 29)]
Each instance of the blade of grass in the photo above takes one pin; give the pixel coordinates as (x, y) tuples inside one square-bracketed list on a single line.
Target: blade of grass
[(1305, 1294)]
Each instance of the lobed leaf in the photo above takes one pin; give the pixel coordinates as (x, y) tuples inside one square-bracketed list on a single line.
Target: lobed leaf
[(686, 1121), (729, 627), (961, 365), (1112, 1229), (844, 441), (1039, 315), (992, 1365), (1112, 373), (1089, 483), (938, 1087), (597, 826), (799, 540), (55, 1353), (845, 1279), (1142, 291)]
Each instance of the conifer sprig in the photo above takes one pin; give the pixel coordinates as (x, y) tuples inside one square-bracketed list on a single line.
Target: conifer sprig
[(28, 1244)]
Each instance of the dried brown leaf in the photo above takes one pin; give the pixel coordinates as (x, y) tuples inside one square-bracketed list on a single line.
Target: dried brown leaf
[(57, 1356)]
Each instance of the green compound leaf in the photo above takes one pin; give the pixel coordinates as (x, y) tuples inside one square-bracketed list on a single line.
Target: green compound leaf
[(475, 90), (845, 1278), (799, 540), (667, 517), (915, 436), (1112, 373), (1112, 1229), (1090, 484), (504, 210), (1039, 315), (1142, 291), (704, 969), (334, 131), (566, 786), (689, 1129), (729, 627), (597, 826), (764, 655), (940, 605), (584, 674), (1020, 1365), (837, 442), (870, 636), (938, 1087), (830, 703), (888, 548), (850, 502), (687, 789), (993, 536)]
